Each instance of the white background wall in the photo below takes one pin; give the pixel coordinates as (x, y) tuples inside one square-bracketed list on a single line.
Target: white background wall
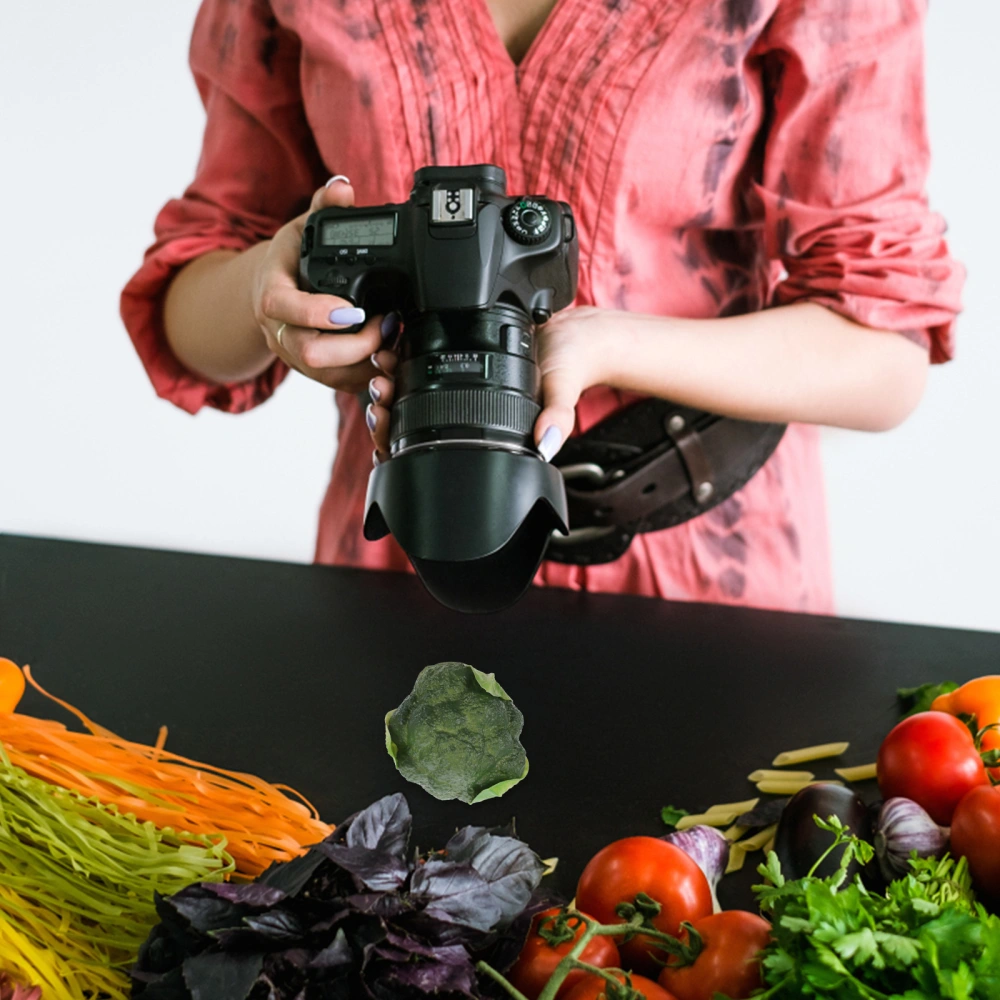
[(100, 124)]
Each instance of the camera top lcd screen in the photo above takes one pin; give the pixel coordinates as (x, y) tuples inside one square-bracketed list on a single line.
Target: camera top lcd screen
[(373, 231)]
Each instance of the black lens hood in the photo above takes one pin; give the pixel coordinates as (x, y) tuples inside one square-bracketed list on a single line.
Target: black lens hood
[(474, 521)]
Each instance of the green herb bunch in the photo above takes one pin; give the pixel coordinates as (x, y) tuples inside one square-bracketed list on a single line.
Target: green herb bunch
[(925, 938)]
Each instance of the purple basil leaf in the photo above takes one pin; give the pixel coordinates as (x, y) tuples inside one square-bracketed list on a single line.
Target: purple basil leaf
[(222, 977), (457, 894), (169, 942), (463, 843), (277, 927), (264, 932), (204, 911), (441, 932), (329, 884), (292, 876), (380, 904), (402, 965), (283, 976), (247, 894), (512, 870), (407, 944), (166, 987), (377, 869), (383, 826), (334, 955), (764, 815), (450, 972)]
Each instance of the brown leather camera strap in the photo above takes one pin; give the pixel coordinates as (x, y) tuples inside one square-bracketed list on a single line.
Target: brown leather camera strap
[(650, 466)]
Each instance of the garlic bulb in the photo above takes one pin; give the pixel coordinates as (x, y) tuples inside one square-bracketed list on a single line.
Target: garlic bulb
[(708, 849), (903, 827)]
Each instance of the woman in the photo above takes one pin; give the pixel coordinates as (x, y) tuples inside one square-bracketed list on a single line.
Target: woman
[(721, 156)]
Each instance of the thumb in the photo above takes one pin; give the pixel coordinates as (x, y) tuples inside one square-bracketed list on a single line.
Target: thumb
[(337, 192), (555, 423)]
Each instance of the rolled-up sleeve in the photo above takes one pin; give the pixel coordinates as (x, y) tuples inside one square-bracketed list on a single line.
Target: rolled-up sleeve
[(845, 167), (258, 168)]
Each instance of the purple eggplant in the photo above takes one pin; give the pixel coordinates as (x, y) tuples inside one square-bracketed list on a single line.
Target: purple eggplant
[(799, 842)]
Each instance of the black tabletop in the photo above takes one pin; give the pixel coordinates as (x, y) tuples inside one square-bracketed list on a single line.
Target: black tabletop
[(288, 671)]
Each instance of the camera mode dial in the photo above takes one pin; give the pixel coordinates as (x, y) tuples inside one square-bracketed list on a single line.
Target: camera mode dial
[(528, 221)]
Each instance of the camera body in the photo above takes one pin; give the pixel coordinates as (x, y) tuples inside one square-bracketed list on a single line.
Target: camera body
[(470, 271), (459, 243)]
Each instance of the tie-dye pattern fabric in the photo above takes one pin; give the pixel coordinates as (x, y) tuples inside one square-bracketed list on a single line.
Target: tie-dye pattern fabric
[(720, 155)]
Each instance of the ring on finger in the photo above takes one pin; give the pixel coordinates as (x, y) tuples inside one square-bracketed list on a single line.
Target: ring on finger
[(280, 334)]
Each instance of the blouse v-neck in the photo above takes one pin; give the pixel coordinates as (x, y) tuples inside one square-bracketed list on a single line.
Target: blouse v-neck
[(518, 67)]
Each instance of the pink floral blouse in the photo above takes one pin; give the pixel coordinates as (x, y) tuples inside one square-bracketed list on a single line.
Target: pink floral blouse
[(720, 156)]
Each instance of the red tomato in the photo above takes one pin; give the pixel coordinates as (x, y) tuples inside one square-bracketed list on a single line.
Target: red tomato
[(626, 868), (932, 759), (538, 959), (728, 963), (593, 988), (975, 835)]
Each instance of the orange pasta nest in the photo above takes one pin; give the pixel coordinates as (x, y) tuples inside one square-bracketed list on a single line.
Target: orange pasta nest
[(260, 822)]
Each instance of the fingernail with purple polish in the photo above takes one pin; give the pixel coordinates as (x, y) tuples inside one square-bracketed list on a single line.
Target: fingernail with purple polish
[(390, 325), (373, 391), (347, 316), (338, 177), (550, 443), (374, 361), (370, 417)]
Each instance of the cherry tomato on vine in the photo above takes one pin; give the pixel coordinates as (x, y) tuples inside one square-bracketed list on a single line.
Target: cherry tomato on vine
[(11, 685), (932, 759), (975, 836), (728, 961), (644, 865), (539, 958), (594, 988)]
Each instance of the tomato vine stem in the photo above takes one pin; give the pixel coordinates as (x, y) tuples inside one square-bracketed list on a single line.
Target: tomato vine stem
[(639, 923)]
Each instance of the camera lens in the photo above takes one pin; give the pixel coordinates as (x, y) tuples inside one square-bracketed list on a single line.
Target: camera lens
[(469, 377), (466, 494)]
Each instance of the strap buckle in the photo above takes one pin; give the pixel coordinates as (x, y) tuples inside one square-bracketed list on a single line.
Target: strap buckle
[(596, 474)]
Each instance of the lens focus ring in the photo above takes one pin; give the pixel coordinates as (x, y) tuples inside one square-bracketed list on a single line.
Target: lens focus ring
[(482, 408)]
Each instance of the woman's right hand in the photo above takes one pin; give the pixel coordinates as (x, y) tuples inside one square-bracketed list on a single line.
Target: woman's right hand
[(345, 361)]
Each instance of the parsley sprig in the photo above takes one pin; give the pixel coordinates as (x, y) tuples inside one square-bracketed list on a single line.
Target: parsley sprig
[(925, 938)]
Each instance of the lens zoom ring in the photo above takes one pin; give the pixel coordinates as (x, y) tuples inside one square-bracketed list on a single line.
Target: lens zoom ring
[(488, 408)]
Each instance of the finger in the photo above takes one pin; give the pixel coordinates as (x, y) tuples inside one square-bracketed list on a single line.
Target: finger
[(331, 350), (337, 192), (287, 242), (278, 347), (377, 419), (554, 424), (284, 303), (381, 390), (378, 457), (385, 361), (353, 379)]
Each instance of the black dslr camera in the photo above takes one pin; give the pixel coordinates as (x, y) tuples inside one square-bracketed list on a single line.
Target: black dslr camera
[(470, 270)]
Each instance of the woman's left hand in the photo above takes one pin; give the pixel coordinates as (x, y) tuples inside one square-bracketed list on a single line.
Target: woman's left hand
[(572, 357)]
